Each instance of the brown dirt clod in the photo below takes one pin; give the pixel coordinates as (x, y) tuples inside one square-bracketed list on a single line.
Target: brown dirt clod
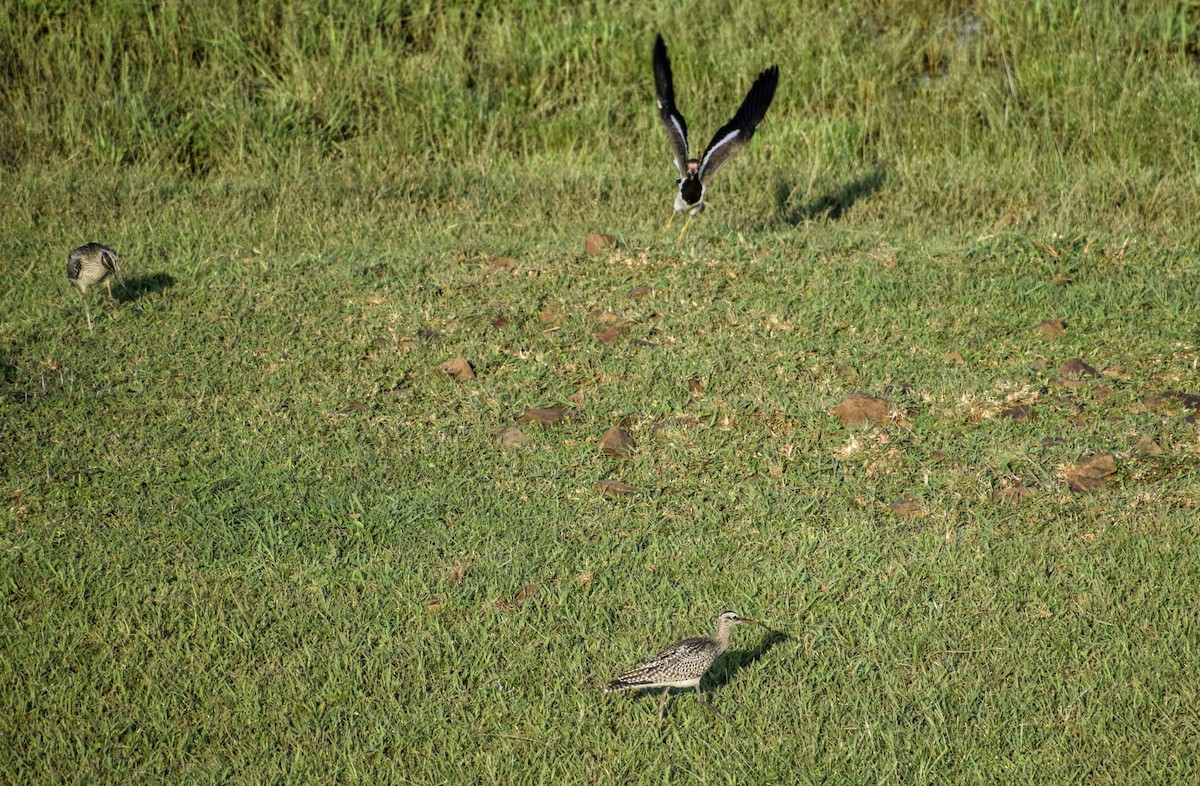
[(906, 508), (617, 443), (458, 368), (614, 488), (612, 332), (1077, 368), (546, 416), (597, 244), (860, 407), (1091, 473), (511, 437), (1052, 328)]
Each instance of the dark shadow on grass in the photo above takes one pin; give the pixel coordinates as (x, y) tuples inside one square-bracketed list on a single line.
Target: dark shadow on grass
[(832, 205), (140, 286), (734, 661)]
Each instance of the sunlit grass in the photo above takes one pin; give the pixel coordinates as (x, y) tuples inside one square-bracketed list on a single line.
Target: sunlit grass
[(251, 533)]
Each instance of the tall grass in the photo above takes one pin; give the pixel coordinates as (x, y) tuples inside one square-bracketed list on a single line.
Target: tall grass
[(250, 533), (242, 87)]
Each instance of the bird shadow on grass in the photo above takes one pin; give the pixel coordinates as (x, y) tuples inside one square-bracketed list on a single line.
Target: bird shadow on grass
[(832, 205), (736, 660), (140, 286)]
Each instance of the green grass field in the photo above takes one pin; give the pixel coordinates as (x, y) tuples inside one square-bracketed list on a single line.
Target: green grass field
[(251, 533)]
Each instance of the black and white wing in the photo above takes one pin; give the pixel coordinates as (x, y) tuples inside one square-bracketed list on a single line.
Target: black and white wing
[(734, 135), (664, 89)]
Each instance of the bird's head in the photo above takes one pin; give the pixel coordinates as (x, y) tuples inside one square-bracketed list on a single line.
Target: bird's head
[(733, 618)]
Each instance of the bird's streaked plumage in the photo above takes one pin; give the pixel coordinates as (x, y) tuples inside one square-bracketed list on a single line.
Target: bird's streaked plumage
[(682, 664), (695, 175), (87, 266)]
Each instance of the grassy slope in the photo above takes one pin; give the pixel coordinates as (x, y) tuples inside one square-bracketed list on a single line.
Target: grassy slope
[(252, 534)]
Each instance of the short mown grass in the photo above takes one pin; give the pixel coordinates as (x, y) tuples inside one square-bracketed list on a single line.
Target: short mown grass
[(251, 533)]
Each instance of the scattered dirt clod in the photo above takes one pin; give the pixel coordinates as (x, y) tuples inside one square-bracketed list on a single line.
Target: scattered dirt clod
[(546, 416), (1118, 372), (1052, 328), (906, 508), (1189, 400), (501, 266), (1076, 368), (1092, 473), (1019, 413), (617, 443), (1146, 446), (458, 368), (597, 244), (639, 292), (511, 437), (860, 407), (614, 488), (1013, 495), (612, 332)]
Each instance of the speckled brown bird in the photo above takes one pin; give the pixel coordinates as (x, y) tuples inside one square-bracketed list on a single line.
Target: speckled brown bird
[(682, 664), (87, 266)]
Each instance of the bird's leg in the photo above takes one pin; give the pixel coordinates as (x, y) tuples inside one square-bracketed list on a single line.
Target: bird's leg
[(88, 312), (685, 225), (670, 221), (704, 702), (110, 297), (662, 702)]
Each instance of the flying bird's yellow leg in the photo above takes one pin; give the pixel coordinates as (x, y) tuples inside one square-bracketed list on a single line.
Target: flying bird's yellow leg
[(670, 221), (685, 225)]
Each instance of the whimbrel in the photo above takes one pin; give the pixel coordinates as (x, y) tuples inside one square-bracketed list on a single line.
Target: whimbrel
[(696, 174), (682, 664), (87, 266)]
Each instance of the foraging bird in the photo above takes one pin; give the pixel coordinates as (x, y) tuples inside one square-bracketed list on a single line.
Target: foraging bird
[(682, 664), (695, 175), (89, 265)]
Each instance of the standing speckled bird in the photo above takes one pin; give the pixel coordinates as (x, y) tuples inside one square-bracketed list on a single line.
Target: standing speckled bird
[(87, 266), (682, 664), (696, 174)]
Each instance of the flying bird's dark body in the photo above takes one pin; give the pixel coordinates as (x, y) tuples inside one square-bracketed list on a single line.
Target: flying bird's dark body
[(695, 174)]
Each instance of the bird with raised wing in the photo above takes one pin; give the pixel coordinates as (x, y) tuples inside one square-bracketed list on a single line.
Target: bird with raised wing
[(87, 266), (695, 174), (682, 664)]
